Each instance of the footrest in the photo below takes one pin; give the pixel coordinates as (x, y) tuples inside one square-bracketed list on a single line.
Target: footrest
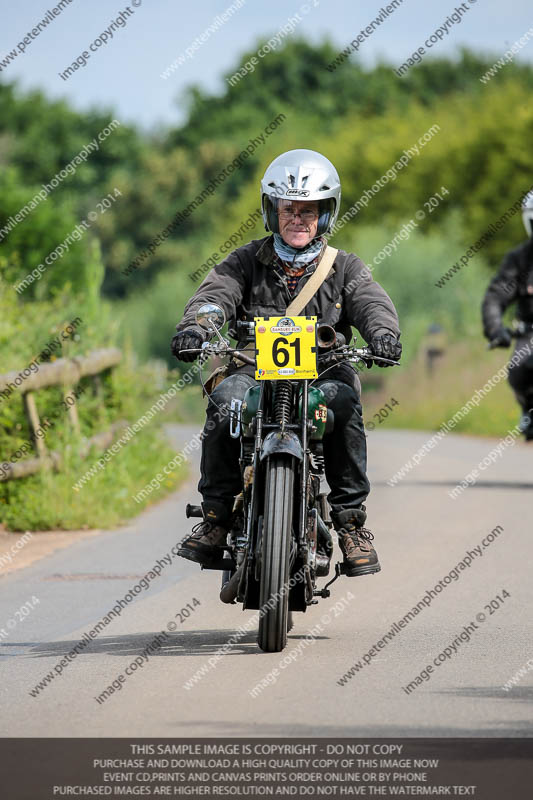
[(340, 569)]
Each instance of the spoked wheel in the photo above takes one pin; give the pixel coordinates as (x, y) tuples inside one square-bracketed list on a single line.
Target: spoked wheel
[(277, 527)]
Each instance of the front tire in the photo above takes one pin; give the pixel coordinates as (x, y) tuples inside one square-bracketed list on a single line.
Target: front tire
[(275, 551)]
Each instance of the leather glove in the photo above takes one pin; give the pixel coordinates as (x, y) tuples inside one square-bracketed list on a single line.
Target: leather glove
[(386, 346), (501, 338), (186, 340)]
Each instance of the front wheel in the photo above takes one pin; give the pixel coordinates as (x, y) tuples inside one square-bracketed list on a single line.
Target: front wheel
[(275, 551)]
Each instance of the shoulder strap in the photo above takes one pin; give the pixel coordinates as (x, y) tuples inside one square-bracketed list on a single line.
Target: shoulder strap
[(314, 283)]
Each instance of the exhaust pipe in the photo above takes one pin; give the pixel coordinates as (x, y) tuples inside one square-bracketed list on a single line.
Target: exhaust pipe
[(327, 337), (230, 590)]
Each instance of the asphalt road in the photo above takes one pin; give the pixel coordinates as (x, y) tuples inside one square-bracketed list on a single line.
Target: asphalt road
[(421, 535)]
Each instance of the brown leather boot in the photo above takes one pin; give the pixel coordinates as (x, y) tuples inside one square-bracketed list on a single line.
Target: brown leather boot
[(208, 537), (360, 558)]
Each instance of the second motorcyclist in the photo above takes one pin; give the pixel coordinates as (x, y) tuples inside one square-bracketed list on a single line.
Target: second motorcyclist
[(514, 284)]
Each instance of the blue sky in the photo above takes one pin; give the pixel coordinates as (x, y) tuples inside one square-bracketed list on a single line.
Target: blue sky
[(125, 74)]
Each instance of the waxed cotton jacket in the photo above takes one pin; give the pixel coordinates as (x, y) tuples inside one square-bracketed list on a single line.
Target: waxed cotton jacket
[(246, 285), (513, 283)]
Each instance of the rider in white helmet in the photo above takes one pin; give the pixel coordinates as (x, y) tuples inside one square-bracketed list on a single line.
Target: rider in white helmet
[(514, 284), (300, 200)]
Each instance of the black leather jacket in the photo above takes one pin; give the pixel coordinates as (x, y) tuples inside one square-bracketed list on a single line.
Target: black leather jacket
[(513, 283)]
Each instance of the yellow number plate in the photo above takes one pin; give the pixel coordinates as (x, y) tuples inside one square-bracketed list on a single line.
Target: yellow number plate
[(286, 348)]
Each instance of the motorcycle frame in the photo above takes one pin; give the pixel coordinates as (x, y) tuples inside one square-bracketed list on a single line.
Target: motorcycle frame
[(252, 509)]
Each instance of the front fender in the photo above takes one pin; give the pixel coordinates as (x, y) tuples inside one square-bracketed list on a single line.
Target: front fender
[(276, 442)]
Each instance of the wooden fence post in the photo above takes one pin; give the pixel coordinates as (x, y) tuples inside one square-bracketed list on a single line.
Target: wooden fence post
[(35, 424), (72, 409)]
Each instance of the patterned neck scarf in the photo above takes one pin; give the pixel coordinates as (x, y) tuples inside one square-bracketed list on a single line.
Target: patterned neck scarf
[(295, 256)]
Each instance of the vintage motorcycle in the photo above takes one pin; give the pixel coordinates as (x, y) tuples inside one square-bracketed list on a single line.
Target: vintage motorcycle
[(280, 540)]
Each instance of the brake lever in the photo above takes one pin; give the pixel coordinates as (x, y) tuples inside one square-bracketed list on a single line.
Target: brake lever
[(385, 360), (367, 356)]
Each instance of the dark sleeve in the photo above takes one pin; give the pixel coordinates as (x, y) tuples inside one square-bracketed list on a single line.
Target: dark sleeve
[(369, 307), (502, 290), (224, 285)]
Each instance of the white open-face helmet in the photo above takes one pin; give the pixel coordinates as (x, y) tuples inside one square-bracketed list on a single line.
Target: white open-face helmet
[(527, 213), (301, 175)]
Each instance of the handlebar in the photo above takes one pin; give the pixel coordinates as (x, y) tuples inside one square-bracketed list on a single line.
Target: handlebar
[(344, 353), (365, 354), (216, 349), (243, 357)]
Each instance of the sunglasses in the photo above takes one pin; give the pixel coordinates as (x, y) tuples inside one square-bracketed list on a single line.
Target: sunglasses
[(306, 216)]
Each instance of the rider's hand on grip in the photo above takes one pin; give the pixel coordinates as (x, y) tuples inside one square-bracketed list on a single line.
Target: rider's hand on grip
[(501, 338), (386, 346), (186, 340)]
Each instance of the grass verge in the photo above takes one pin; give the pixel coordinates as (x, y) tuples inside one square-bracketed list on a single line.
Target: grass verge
[(46, 501), (427, 399)]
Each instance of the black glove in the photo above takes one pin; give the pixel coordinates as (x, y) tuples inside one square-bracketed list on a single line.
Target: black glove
[(186, 340), (501, 338), (386, 346)]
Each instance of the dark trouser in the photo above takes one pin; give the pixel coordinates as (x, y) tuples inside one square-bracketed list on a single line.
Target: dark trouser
[(521, 373), (344, 447)]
